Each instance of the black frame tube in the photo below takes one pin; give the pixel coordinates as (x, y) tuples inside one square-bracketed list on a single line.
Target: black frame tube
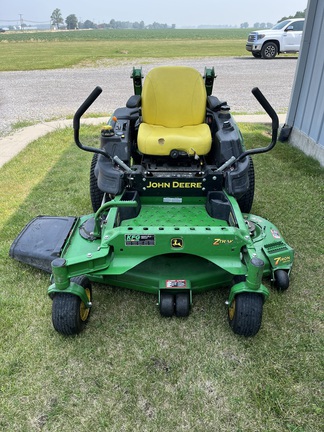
[(275, 124), (76, 121)]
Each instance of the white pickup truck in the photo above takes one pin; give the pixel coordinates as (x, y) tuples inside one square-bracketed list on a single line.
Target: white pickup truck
[(283, 37)]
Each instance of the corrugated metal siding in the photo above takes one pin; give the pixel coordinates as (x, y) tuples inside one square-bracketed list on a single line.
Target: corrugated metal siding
[(307, 105)]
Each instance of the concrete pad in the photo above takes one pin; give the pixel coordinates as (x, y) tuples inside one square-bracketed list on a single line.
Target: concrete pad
[(11, 145)]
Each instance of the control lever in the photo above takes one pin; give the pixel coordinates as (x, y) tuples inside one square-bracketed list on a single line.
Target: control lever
[(275, 124), (123, 165), (76, 122), (229, 162)]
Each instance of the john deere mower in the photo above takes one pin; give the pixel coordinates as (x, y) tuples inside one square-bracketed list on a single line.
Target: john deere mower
[(171, 187)]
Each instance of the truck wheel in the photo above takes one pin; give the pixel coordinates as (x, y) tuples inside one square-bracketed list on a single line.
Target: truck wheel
[(69, 314), (96, 195), (269, 50), (245, 313)]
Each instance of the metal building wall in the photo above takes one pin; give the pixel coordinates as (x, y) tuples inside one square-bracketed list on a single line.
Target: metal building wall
[(305, 116)]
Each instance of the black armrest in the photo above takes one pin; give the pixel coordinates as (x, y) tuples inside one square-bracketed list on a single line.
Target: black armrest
[(214, 104), (134, 101)]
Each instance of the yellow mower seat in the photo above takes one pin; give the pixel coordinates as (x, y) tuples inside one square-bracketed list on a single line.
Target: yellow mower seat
[(173, 112)]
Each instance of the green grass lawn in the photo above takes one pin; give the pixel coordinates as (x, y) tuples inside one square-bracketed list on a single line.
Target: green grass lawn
[(50, 50), (131, 369), (63, 49), (53, 55)]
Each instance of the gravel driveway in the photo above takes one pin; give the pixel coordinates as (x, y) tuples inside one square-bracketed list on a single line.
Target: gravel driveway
[(41, 95)]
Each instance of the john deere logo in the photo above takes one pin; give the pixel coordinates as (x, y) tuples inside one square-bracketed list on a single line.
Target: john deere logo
[(177, 243)]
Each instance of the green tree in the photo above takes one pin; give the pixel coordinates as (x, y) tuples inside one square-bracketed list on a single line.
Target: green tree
[(71, 22), (298, 14), (88, 24), (138, 25), (56, 18), (113, 24)]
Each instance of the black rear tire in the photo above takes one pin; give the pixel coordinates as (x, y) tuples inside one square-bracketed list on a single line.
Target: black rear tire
[(96, 195), (246, 201), (245, 314), (69, 314)]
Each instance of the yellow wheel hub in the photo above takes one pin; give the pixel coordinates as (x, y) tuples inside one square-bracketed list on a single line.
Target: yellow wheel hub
[(231, 310), (84, 311)]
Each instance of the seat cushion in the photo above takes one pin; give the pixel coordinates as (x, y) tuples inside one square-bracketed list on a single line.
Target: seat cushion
[(159, 140)]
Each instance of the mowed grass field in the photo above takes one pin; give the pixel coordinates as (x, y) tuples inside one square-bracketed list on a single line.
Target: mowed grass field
[(60, 49), (132, 370)]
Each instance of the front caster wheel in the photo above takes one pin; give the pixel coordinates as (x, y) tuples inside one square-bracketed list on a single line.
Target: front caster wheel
[(182, 304), (245, 313), (69, 313), (166, 304), (281, 279)]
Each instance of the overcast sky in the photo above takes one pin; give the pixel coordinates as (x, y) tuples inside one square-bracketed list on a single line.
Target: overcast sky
[(179, 12)]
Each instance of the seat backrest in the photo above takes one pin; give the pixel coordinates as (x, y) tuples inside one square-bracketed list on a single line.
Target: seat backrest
[(174, 96)]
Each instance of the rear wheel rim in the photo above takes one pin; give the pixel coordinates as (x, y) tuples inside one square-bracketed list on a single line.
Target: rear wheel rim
[(231, 310), (270, 51), (84, 311)]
